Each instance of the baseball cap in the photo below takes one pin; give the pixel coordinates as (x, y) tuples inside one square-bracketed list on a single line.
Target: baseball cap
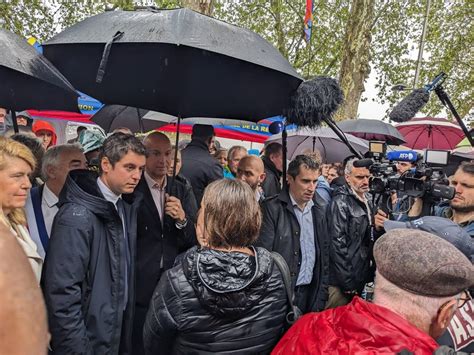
[(441, 227)]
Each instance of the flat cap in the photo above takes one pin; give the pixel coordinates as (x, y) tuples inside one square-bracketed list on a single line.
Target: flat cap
[(422, 263)]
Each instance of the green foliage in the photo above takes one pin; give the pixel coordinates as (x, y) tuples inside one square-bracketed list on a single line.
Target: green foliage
[(396, 34)]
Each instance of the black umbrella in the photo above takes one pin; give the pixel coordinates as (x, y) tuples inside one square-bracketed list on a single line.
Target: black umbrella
[(372, 130), (111, 117), (177, 61), (28, 80)]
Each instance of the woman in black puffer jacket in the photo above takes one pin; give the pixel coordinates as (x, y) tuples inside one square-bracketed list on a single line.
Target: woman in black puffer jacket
[(226, 296)]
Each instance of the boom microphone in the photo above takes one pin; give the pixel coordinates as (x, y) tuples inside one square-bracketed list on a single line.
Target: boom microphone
[(315, 101), (415, 101), (409, 106), (363, 163)]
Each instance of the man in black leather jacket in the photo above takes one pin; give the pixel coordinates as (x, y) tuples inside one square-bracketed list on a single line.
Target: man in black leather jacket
[(295, 226), (350, 218)]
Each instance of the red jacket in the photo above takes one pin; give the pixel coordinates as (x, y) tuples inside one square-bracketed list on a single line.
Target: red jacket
[(357, 328)]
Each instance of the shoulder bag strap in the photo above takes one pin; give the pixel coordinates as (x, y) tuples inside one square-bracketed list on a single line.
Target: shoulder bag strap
[(295, 312)]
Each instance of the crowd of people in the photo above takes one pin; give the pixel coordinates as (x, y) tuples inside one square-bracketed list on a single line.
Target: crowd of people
[(217, 252)]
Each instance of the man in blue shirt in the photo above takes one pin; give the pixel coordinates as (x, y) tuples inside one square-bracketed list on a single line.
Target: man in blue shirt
[(294, 225)]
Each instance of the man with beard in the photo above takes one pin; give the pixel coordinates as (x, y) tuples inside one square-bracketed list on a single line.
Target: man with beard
[(351, 227), (252, 171), (460, 209)]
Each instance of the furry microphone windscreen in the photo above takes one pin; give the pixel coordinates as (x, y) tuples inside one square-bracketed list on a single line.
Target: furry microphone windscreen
[(315, 100), (409, 106)]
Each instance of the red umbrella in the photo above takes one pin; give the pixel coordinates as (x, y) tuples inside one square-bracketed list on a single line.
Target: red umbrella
[(220, 131), (431, 133), (61, 115)]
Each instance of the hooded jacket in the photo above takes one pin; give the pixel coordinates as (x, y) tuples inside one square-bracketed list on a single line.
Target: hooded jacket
[(357, 328), (350, 234), (83, 278), (217, 302), (46, 126)]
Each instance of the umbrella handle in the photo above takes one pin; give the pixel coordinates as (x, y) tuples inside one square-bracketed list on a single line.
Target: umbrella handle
[(105, 57), (14, 122), (284, 138), (173, 178)]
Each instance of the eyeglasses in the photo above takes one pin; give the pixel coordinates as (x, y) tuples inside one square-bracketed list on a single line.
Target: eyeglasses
[(464, 298)]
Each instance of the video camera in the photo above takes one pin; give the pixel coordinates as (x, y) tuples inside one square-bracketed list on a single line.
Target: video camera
[(426, 179)]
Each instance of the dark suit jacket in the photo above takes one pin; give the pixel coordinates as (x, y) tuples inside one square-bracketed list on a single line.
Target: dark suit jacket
[(280, 232), (155, 241), (199, 167)]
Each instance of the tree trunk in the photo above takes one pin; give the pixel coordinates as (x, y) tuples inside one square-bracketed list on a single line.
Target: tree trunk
[(355, 61), (276, 8), (205, 7)]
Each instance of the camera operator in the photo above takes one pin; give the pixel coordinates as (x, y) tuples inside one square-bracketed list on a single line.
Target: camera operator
[(459, 210), (401, 203)]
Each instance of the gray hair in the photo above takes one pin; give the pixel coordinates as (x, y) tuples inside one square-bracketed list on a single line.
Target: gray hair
[(234, 149), (349, 166), (417, 309), (53, 155)]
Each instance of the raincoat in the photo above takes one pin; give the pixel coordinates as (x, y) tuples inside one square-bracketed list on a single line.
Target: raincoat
[(357, 328)]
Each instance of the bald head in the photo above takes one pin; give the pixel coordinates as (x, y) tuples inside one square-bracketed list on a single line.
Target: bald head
[(159, 157), (23, 325), (251, 170), (154, 137)]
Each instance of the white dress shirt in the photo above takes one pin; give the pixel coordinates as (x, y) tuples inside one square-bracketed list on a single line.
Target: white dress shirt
[(158, 193), (49, 208)]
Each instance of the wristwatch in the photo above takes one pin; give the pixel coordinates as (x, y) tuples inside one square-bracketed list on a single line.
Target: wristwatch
[(182, 224)]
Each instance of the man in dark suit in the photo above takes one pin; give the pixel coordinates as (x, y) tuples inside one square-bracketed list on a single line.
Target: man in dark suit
[(165, 226), (199, 166), (294, 225)]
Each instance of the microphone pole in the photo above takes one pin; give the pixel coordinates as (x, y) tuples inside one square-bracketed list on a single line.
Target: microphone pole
[(444, 98), (342, 137)]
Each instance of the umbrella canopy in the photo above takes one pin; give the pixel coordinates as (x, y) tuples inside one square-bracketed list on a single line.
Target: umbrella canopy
[(372, 130), (431, 133), (232, 129), (464, 143), (111, 117), (177, 61), (60, 115), (29, 80), (466, 153), (324, 140)]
